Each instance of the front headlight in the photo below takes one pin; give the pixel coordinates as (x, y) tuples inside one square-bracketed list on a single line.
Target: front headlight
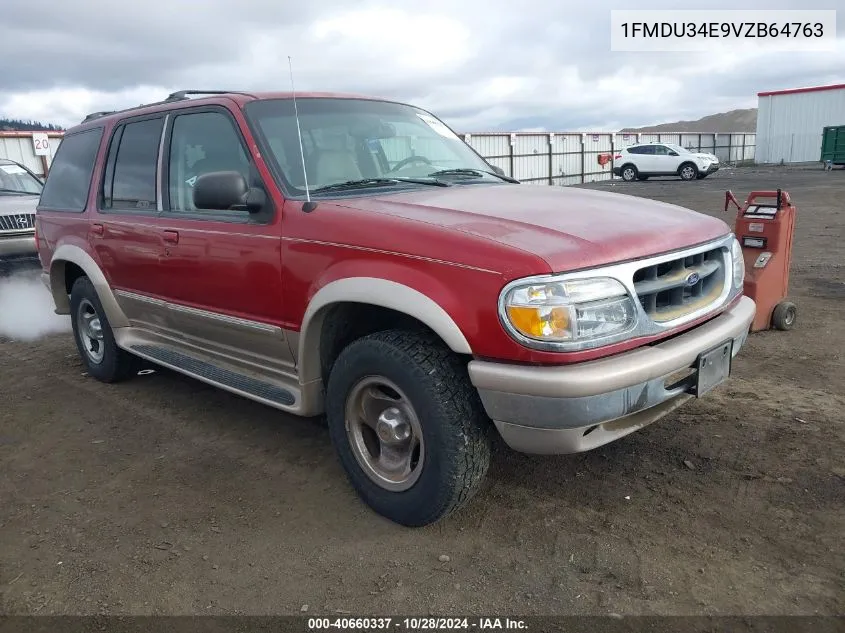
[(738, 263), (567, 311)]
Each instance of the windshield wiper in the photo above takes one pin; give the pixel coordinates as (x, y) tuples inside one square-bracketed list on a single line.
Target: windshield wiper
[(377, 182), (466, 171)]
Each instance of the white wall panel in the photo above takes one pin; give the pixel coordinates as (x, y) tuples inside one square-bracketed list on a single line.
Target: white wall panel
[(789, 126)]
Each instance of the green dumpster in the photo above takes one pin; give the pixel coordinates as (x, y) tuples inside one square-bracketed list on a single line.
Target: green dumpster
[(833, 145)]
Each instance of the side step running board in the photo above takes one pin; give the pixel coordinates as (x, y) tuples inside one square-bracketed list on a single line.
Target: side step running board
[(217, 375)]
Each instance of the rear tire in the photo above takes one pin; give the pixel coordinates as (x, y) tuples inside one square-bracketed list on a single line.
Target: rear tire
[(688, 171), (629, 173), (102, 358), (424, 449)]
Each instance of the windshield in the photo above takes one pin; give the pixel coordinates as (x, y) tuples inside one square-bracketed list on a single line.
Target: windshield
[(16, 179), (357, 140)]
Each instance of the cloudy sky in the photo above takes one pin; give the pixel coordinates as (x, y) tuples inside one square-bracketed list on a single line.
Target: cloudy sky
[(479, 64)]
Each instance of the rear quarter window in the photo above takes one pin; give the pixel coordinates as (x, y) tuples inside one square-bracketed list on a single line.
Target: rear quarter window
[(69, 179)]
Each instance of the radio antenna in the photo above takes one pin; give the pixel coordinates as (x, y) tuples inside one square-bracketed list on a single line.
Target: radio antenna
[(299, 134)]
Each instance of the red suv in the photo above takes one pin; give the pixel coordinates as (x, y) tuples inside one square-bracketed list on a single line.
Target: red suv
[(353, 257)]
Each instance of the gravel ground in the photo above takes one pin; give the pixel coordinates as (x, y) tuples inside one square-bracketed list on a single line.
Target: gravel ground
[(165, 496)]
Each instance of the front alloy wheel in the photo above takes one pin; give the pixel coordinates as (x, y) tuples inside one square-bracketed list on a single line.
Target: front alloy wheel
[(384, 433), (688, 172)]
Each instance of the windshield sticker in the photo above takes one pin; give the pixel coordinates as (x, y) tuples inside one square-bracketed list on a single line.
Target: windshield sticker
[(13, 169), (190, 181), (437, 126)]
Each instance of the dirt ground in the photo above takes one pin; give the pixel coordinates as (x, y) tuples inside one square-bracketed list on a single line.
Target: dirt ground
[(165, 496)]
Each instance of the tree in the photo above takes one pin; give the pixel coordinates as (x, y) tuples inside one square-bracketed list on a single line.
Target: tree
[(19, 125)]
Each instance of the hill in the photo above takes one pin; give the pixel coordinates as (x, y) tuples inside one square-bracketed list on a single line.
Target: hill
[(735, 121), (17, 125)]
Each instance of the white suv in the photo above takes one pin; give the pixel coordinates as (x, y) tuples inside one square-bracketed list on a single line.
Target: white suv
[(662, 159)]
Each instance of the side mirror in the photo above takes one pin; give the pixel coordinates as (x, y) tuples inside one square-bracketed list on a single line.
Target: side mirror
[(498, 170), (671, 153), (225, 190)]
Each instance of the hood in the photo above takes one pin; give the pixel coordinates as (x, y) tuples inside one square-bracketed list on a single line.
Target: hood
[(711, 157), (12, 204), (568, 227)]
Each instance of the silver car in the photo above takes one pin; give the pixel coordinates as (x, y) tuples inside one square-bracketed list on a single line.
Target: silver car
[(20, 190)]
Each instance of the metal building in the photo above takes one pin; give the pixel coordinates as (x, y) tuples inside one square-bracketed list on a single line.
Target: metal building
[(790, 122), (34, 150)]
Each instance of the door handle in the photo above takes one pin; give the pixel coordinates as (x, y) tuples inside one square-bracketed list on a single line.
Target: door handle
[(171, 237), (97, 229)]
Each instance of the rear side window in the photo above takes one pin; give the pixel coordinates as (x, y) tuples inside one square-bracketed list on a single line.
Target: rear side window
[(130, 178), (69, 179)]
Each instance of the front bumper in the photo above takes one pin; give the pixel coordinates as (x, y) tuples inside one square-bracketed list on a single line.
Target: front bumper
[(714, 167), (18, 254), (18, 246), (579, 407)]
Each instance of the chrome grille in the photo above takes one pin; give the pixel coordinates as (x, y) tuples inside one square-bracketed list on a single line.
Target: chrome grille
[(675, 288), (17, 222)]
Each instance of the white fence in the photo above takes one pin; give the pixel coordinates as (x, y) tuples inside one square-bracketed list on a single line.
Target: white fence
[(571, 158), (566, 158)]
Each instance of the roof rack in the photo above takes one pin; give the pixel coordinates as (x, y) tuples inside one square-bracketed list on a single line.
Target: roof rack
[(180, 95), (97, 115), (183, 94)]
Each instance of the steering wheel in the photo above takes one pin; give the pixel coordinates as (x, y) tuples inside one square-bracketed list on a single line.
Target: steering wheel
[(408, 161)]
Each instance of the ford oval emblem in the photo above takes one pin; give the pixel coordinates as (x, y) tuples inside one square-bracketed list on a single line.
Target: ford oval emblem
[(692, 279)]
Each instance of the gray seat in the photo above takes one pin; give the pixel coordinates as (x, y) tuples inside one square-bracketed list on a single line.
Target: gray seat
[(329, 166)]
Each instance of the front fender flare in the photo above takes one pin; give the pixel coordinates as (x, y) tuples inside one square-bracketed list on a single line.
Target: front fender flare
[(76, 255), (378, 292)]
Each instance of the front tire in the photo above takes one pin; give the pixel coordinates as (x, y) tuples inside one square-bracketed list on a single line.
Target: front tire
[(95, 342), (688, 171), (408, 426)]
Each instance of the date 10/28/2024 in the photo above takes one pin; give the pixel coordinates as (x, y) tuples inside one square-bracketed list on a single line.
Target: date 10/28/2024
[(413, 624)]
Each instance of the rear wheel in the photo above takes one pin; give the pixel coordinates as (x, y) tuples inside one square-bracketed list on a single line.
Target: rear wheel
[(688, 171), (407, 425), (103, 359), (629, 173)]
